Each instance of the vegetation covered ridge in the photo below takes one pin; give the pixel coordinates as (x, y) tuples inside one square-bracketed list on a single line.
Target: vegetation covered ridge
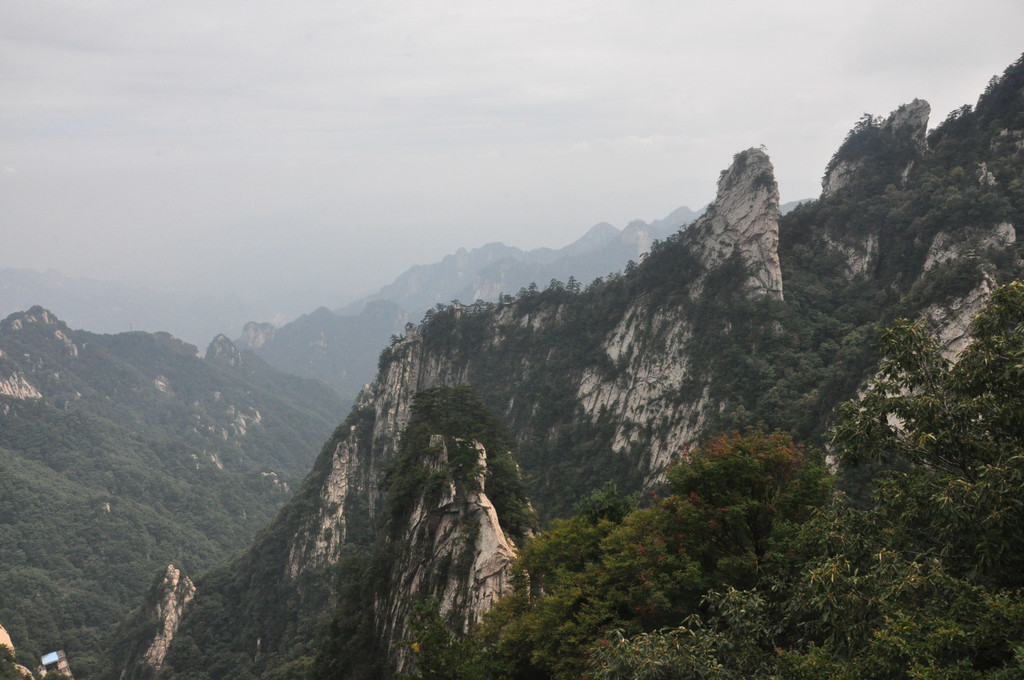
[(749, 567)]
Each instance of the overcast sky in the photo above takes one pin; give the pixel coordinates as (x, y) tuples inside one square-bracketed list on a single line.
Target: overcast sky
[(327, 146)]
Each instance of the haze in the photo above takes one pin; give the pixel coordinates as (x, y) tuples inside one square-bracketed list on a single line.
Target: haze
[(312, 151)]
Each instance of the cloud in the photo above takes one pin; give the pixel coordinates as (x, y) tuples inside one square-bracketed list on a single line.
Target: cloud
[(475, 121)]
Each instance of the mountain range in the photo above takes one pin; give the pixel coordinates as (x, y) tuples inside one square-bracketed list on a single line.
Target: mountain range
[(745, 318), (491, 425)]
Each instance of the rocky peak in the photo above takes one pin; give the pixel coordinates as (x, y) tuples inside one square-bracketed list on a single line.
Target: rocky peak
[(905, 129), (453, 549), (222, 351), (255, 335), (910, 122), (744, 219), (637, 234), (35, 315), (173, 595), (43, 324)]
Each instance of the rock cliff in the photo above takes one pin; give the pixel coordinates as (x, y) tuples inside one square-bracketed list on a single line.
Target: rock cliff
[(452, 549), (255, 334), (744, 220), (174, 593)]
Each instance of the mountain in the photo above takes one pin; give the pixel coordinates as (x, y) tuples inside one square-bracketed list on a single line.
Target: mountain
[(341, 347), (339, 350), (485, 273), (747, 317), (122, 453), (108, 307)]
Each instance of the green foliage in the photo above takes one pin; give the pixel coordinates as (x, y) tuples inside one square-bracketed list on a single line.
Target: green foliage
[(651, 567), (438, 653), (132, 459), (347, 645), (463, 420), (929, 411), (926, 583), (8, 665), (695, 650), (745, 485)]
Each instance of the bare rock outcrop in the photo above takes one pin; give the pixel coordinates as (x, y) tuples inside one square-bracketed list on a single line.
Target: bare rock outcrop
[(951, 322), (255, 334), (15, 385), (905, 127), (742, 222), (222, 351), (176, 592), (453, 549), (910, 122), (947, 246), (744, 219)]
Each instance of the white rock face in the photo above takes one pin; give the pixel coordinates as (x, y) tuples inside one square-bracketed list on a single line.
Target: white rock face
[(321, 539), (840, 176), (255, 335), (177, 593), (911, 122), (15, 385), (646, 391), (433, 552), (952, 322), (649, 348), (859, 258), (744, 219), (221, 350), (946, 247)]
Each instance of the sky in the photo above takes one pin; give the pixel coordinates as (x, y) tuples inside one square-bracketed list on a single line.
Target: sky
[(317, 149)]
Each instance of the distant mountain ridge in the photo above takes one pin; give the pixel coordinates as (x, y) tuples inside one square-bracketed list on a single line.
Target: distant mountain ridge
[(486, 272), (340, 351), (110, 307), (341, 347)]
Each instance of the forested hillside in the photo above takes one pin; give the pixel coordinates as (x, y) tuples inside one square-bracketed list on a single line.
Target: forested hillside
[(120, 454)]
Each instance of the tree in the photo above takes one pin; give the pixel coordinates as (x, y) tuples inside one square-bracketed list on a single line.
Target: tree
[(956, 418), (928, 583), (733, 500)]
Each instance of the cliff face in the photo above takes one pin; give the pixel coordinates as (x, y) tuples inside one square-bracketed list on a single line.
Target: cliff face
[(453, 549), (742, 223), (175, 592), (744, 219), (903, 133)]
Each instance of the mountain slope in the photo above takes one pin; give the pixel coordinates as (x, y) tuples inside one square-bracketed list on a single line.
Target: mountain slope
[(486, 272), (340, 351), (120, 454)]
